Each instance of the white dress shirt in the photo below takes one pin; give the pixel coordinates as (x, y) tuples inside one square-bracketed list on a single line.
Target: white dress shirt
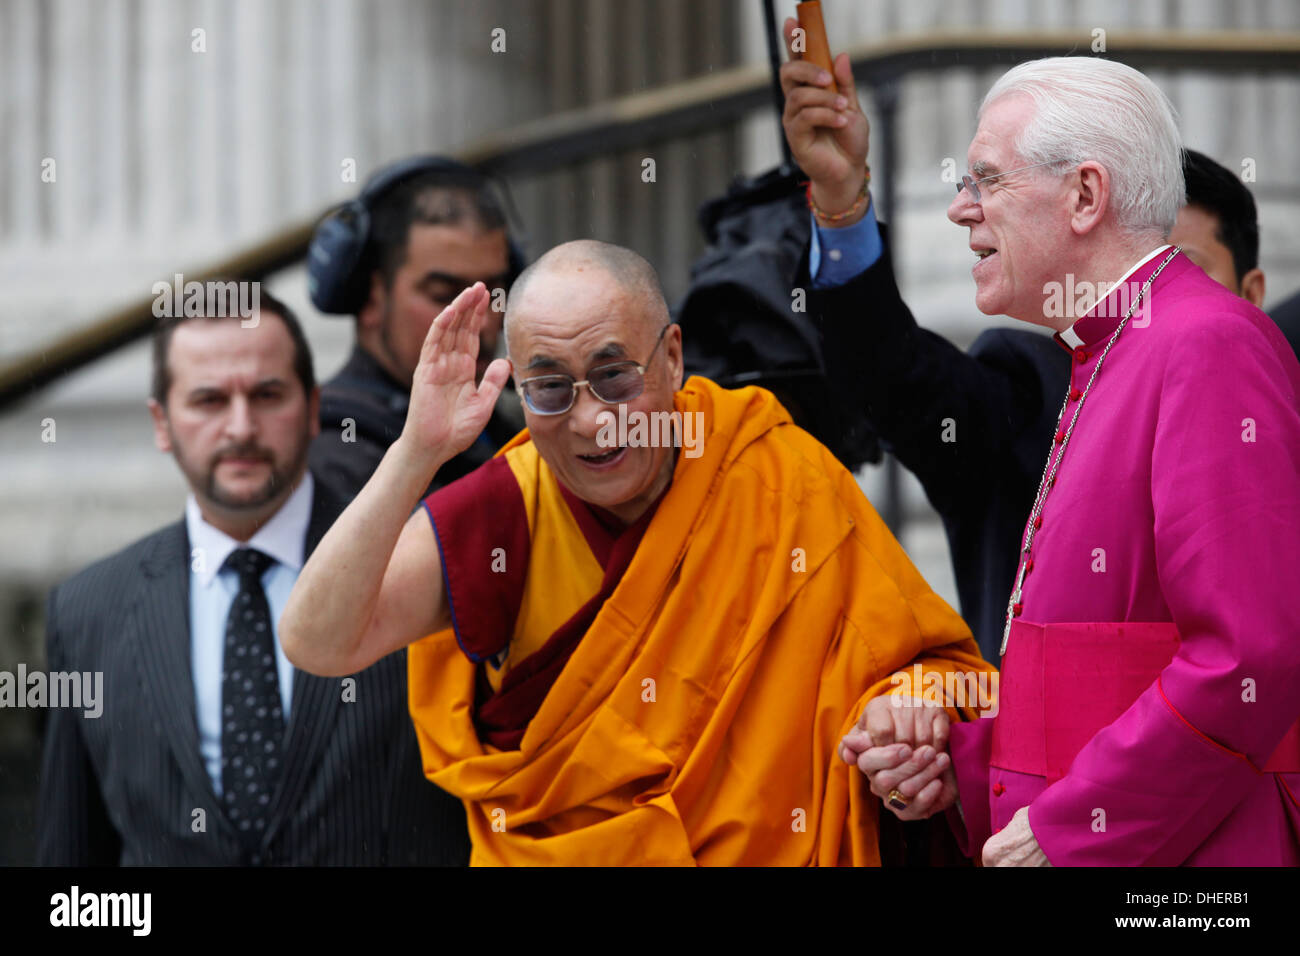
[(213, 590)]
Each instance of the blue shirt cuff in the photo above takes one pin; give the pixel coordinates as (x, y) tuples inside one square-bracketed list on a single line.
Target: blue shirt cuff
[(850, 251)]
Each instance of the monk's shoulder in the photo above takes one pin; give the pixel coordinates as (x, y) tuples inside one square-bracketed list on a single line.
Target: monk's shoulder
[(796, 468)]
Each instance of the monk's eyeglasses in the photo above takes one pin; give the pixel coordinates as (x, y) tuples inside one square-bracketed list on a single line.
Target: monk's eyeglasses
[(613, 384), (974, 184)]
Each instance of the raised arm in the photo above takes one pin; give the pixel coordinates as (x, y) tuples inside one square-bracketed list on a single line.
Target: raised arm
[(374, 583), (946, 415)]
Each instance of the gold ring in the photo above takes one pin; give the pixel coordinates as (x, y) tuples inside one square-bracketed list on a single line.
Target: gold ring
[(897, 800)]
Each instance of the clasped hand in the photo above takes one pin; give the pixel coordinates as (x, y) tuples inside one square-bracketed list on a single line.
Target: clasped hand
[(901, 744)]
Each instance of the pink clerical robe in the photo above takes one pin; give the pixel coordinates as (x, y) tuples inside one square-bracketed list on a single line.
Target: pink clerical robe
[(1171, 739)]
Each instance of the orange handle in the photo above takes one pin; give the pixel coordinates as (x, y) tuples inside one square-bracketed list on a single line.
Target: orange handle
[(816, 48)]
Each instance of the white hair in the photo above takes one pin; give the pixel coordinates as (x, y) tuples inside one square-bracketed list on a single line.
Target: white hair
[(1094, 109)]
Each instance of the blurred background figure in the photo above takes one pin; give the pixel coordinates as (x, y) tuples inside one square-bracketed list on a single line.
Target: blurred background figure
[(422, 230), (146, 138)]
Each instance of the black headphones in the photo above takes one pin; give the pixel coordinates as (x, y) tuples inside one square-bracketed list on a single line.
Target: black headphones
[(336, 280)]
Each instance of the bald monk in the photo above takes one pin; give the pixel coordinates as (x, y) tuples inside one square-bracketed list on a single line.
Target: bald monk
[(628, 645)]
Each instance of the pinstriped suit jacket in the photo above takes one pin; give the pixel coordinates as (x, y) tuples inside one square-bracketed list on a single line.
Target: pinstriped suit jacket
[(126, 787)]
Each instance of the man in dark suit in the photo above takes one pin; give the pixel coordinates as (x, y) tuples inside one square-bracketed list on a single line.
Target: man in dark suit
[(974, 427), (211, 748)]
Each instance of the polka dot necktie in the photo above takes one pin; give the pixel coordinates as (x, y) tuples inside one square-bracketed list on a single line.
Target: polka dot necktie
[(252, 722)]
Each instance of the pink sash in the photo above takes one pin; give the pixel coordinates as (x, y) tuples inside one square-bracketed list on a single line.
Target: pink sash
[(1071, 680)]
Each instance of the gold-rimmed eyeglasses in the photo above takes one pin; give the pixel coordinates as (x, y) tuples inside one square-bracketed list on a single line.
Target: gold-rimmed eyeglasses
[(612, 384)]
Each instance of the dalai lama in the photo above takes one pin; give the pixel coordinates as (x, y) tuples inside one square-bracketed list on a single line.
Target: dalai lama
[(1151, 655), (620, 653)]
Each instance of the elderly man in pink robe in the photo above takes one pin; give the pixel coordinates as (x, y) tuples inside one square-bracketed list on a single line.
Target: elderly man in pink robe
[(1150, 683)]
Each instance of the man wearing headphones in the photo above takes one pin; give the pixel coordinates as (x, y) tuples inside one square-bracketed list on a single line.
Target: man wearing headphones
[(422, 230)]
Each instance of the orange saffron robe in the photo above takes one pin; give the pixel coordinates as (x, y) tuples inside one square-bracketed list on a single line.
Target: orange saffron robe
[(698, 719)]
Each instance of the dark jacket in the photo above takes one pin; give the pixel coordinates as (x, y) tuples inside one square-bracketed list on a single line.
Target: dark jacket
[(363, 411), (1002, 399), (1287, 316), (124, 788), (745, 318)]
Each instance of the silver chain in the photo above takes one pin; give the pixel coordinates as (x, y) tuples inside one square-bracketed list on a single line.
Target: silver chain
[(1054, 456)]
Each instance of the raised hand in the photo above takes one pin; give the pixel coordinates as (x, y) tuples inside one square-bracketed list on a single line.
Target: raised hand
[(448, 411), (827, 130)]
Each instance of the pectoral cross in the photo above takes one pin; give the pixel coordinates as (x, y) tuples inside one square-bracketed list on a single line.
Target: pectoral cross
[(1011, 605)]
